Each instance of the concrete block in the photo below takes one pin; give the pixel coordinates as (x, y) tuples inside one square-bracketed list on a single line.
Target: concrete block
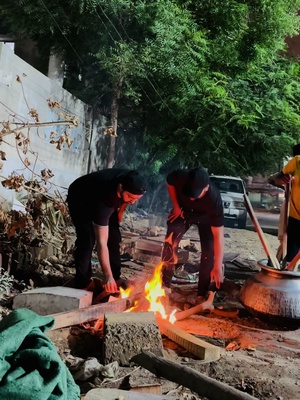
[(150, 246), (140, 255), (127, 334), (51, 300)]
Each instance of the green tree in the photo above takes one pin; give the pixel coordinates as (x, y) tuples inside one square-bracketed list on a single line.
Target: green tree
[(197, 82)]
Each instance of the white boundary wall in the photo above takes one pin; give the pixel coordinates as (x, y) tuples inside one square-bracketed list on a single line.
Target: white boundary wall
[(15, 101)]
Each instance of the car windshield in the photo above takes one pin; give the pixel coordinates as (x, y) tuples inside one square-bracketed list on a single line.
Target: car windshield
[(228, 185)]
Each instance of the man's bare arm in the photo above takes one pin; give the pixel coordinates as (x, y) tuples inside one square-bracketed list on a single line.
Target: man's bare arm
[(101, 235), (176, 212), (217, 273)]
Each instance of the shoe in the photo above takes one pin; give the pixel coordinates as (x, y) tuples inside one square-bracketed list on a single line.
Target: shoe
[(126, 257)]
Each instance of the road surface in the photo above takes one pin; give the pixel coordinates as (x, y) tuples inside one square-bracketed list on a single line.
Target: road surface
[(268, 222)]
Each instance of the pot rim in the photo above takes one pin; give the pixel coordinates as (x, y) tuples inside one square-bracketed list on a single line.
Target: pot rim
[(263, 265)]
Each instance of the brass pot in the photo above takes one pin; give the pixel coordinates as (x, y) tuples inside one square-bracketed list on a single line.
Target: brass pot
[(273, 295)]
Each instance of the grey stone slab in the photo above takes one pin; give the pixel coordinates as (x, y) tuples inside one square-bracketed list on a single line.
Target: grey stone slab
[(51, 300), (113, 394)]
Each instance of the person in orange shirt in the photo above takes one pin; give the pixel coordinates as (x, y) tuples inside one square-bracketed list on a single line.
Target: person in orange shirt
[(291, 173)]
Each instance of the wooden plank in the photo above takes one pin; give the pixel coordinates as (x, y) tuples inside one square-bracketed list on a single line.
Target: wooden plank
[(286, 210), (131, 235), (159, 238), (86, 314), (188, 377), (149, 245), (142, 256), (113, 394), (266, 246), (202, 349), (294, 263), (133, 265)]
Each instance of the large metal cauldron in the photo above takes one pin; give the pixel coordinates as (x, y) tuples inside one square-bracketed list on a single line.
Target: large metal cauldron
[(273, 295)]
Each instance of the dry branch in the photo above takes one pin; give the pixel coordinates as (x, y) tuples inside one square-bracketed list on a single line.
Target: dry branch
[(195, 381)]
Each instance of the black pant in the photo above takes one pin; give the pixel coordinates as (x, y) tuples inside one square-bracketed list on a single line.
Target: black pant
[(293, 238), (175, 232), (85, 243)]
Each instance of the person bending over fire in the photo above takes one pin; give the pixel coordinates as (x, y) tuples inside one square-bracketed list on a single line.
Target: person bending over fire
[(96, 204), (196, 201)]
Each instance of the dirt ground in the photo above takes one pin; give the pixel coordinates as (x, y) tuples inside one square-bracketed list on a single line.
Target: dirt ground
[(256, 357)]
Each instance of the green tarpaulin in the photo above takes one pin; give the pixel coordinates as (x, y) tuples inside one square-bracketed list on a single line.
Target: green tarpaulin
[(30, 367)]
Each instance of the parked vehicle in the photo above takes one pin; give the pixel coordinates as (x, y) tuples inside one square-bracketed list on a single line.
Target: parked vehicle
[(232, 190)]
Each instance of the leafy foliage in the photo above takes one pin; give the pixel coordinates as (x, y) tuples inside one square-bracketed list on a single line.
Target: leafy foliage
[(201, 82)]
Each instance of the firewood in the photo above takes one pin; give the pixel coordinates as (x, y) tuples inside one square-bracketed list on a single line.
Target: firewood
[(202, 349), (205, 306), (86, 314), (195, 381)]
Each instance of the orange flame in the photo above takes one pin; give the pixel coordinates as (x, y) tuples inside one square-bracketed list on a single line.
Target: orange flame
[(154, 292), (155, 295), (125, 293)]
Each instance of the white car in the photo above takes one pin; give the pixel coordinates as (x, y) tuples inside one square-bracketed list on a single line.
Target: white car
[(232, 190)]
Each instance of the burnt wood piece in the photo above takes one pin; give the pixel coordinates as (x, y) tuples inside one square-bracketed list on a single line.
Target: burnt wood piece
[(202, 349), (86, 314), (266, 246), (188, 377)]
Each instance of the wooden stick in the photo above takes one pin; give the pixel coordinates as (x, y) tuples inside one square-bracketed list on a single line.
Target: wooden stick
[(294, 262), (266, 246), (285, 222), (206, 305), (195, 381), (202, 349), (86, 314)]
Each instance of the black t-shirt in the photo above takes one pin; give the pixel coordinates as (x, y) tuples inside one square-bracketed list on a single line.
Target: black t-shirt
[(210, 205), (96, 194)]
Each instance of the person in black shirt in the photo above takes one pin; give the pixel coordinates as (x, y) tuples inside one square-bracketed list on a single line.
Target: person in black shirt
[(196, 201), (96, 204)]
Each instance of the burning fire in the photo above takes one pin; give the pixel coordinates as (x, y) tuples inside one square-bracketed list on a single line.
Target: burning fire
[(154, 294)]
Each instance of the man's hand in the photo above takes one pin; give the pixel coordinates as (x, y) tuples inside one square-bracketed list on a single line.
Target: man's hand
[(110, 285), (217, 276), (280, 179), (175, 213), (287, 178)]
